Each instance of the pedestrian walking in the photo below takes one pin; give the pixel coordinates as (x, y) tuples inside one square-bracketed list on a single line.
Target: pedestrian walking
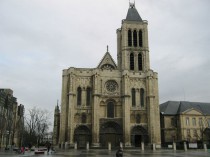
[(48, 147), (23, 150), (119, 152)]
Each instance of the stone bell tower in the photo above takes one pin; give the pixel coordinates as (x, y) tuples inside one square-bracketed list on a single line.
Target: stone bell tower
[(139, 82)]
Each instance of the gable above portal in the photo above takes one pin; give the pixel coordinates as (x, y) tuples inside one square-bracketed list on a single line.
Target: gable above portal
[(107, 63)]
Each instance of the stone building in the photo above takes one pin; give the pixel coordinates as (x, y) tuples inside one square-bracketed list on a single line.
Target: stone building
[(185, 121), (116, 103), (11, 119)]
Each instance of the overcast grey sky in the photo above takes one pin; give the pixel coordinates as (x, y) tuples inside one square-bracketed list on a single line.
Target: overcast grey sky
[(40, 38)]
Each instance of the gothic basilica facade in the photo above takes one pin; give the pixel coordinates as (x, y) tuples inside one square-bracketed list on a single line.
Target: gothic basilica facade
[(112, 103)]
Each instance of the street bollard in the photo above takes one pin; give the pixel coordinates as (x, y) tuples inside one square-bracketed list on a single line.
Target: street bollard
[(154, 146), (174, 145), (109, 146), (185, 146), (121, 145), (66, 145), (142, 145), (75, 145), (205, 147), (87, 146)]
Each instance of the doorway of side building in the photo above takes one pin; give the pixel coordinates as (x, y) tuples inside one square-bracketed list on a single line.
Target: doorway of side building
[(82, 135)]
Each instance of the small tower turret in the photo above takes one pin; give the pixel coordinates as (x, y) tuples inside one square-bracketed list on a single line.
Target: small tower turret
[(56, 126)]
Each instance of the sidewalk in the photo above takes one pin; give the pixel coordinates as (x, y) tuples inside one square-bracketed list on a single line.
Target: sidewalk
[(107, 153)]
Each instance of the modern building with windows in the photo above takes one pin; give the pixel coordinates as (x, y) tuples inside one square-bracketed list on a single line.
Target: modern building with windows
[(185, 121), (114, 102)]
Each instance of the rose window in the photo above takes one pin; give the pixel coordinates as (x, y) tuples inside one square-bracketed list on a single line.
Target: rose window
[(111, 85)]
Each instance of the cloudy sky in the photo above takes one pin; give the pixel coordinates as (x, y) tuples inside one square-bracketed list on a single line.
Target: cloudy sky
[(40, 38)]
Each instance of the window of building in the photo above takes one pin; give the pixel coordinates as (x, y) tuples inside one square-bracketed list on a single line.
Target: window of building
[(88, 99), (193, 121), (140, 39), (84, 118), (142, 97), (131, 61), (134, 38), (188, 132), (195, 133), (79, 96), (138, 118), (172, 122), (129, 38), (110, 110), (133, 94), (140, 67), (209, 122), (200, 122), (187, 121)]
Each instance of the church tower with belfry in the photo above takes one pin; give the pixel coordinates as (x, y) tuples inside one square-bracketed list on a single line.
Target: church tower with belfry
[(133, 61), (114, 103)]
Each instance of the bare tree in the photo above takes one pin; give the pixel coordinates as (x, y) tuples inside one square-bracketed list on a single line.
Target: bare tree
[(37, 125)]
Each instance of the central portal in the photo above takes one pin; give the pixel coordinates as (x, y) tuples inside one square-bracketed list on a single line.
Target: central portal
[(137, 139), (110, 132)]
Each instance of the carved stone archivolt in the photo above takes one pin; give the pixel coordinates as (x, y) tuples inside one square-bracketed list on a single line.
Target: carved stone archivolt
[(107, 67)]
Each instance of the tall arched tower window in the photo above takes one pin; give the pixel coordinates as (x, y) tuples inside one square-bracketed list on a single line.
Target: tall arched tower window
[(140, 62), (142, 97), (131, 61), (79, 96), (129, 38), (140, 39), (110, 110), (134, 38), (88, 97), (133, 96)]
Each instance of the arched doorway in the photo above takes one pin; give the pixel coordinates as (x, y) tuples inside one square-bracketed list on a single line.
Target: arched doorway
[(110, 132), (138, 135), (82, 135)]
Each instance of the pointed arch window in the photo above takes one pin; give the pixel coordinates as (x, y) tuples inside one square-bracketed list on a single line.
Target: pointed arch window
[(88, 97), (140, 39), (84, 118), (110, 110), (142, 97), (140, 67), (131, 61), (133, 96), (129, 38), (79, 96), (134, 38)]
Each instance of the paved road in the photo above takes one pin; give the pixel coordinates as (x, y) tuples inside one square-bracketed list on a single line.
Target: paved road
[(106, 153)]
